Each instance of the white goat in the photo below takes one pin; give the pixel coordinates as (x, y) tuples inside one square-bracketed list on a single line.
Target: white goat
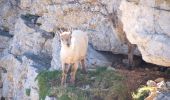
[(73, 50)]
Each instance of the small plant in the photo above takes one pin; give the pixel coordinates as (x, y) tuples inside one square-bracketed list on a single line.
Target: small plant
[(141, 93), (28, 91)]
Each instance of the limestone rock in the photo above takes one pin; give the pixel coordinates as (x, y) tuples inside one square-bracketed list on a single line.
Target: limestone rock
[(20, 76), (97, 58), (29, 40), (56, 63), (159, 80), (8, 14), (165, 94), (147, 24), (86, 15), (5, 39), (162, 96), (162, 86), (151, 83), (32, 47)]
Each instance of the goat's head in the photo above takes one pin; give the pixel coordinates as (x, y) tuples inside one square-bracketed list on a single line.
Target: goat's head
[(65, 37)]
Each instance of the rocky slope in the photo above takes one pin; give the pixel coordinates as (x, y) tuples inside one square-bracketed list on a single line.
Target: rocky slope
[(29, 43)]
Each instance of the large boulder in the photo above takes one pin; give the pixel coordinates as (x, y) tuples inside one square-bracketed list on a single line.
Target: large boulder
[(147, 24), (19, 80), (28, 39), (88, 15), (20, 76)]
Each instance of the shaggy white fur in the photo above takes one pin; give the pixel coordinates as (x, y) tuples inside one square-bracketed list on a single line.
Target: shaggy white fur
[(74, 53)]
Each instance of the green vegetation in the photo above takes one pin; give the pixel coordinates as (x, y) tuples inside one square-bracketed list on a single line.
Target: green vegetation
[(142, 93), (99, 84), (28, 91), (44, 82)]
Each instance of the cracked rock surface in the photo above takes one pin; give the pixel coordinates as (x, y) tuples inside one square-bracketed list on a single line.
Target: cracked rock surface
[(29, 42), (147, 24)]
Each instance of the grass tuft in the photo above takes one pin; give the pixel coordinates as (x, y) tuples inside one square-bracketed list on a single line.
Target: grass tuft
[(44, 78)]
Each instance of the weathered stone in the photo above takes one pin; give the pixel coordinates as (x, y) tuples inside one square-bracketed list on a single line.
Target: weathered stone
[(27, 39), (20, 76), (8, 14), (8, 78), (56, 63), (162, 86), (96, 58), (162, 96), (151, 83), (159, 80), (146, 24), (88, 16), (4, 42)]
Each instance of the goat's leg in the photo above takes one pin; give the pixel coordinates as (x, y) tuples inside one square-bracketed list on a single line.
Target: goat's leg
[(73, 72), (131, 48), (83, 66), (65, 68)]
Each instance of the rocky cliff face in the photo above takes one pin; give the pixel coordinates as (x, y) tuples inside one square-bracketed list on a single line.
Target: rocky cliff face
[(146, 24), (29, 42)]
